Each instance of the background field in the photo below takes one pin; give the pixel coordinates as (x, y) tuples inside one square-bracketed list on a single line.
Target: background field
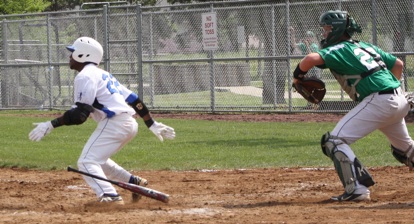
[(200, 144), (222, 168)]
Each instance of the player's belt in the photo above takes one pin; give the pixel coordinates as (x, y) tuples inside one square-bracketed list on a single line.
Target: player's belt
[(390, 91)]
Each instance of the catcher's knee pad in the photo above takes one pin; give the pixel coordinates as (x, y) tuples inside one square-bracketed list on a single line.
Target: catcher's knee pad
[(404, 157), (348, 171), (329, 143)]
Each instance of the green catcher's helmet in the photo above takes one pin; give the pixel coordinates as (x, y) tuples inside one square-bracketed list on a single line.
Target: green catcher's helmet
[(341, 23)]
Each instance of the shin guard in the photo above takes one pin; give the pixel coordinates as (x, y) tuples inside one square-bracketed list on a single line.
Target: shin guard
[(404, 157), (348, 171)]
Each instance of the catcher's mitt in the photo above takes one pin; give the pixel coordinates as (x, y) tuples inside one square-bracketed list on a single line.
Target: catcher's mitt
[(312, 89)]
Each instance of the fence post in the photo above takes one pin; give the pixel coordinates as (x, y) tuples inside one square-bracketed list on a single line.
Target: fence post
[(288, 51), (139, 54), (212, 74), (3, 84), (50, 68), (106, 38), (151, 65)]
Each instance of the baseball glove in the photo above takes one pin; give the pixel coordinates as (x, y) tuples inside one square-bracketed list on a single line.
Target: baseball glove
[(312, 89)]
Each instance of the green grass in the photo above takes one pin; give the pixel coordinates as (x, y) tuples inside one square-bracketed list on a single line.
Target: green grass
[(203, 98), (226, 98), (199, 145)]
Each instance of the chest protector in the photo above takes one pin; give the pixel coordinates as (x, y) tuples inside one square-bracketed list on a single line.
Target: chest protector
[(343, 81)]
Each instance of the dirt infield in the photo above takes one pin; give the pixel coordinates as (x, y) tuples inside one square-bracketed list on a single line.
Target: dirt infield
[(234, 196), (294, 195)]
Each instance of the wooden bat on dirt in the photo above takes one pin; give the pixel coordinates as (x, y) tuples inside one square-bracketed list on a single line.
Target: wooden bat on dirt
[(148, 192)]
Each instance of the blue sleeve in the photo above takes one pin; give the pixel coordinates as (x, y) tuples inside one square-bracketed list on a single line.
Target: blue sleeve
[(131, 98)]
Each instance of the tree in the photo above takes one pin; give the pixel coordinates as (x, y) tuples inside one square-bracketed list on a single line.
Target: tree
[(32, 6), (23, 6), (61, 5)]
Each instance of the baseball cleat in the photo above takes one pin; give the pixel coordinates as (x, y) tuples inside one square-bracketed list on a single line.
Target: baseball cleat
[(141, 182), (352, 197), (106, 198)]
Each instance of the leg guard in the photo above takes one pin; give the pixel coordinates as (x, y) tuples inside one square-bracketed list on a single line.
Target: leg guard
[(348, 171), (404, 157)]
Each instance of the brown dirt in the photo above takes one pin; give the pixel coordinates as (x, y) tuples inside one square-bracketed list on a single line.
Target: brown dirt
[(280, 195)]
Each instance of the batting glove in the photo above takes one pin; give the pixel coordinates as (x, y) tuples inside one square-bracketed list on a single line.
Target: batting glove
[(40, 131), (162, 131)]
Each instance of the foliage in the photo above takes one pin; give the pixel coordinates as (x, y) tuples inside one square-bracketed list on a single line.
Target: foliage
[(32, 6), (61, 5), (23, 6)]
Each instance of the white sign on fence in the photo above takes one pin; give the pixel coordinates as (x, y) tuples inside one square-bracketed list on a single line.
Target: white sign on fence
[(209, 23)]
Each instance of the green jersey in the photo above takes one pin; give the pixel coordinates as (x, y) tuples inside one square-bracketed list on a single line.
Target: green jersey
[(348, 58)]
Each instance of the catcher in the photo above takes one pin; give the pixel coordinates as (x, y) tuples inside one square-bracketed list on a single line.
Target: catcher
[(370, 76)]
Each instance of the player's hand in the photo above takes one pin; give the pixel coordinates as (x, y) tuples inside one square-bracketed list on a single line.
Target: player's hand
[(40, 131), (410, 99), (162, 131)]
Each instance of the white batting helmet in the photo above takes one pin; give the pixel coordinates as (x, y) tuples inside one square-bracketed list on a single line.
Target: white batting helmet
[(86, 49)]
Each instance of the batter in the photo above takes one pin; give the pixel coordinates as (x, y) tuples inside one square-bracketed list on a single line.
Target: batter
[(370, 76), (98, 94)]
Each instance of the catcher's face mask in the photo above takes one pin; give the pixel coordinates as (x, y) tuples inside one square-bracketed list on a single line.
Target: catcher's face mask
[(326, 30), (341, 24)]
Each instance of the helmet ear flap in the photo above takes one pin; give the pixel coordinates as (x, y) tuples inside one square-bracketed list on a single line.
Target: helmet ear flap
[(352, 26)]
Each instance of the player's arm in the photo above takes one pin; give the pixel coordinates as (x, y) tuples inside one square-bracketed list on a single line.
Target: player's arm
[(75, 116), (85, 89), (159, 129), (140, 108), (397, 69), (394, 64), (308, 62), (136, 103)]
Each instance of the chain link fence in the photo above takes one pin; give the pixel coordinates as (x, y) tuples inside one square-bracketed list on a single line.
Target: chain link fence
[(233, 56)]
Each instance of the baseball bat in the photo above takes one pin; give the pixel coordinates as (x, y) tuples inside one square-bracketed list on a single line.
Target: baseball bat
[(148, 192)]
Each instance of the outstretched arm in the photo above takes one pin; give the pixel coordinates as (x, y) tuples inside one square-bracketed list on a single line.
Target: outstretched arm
[(76, 115), (140, 108), (159, 129)]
